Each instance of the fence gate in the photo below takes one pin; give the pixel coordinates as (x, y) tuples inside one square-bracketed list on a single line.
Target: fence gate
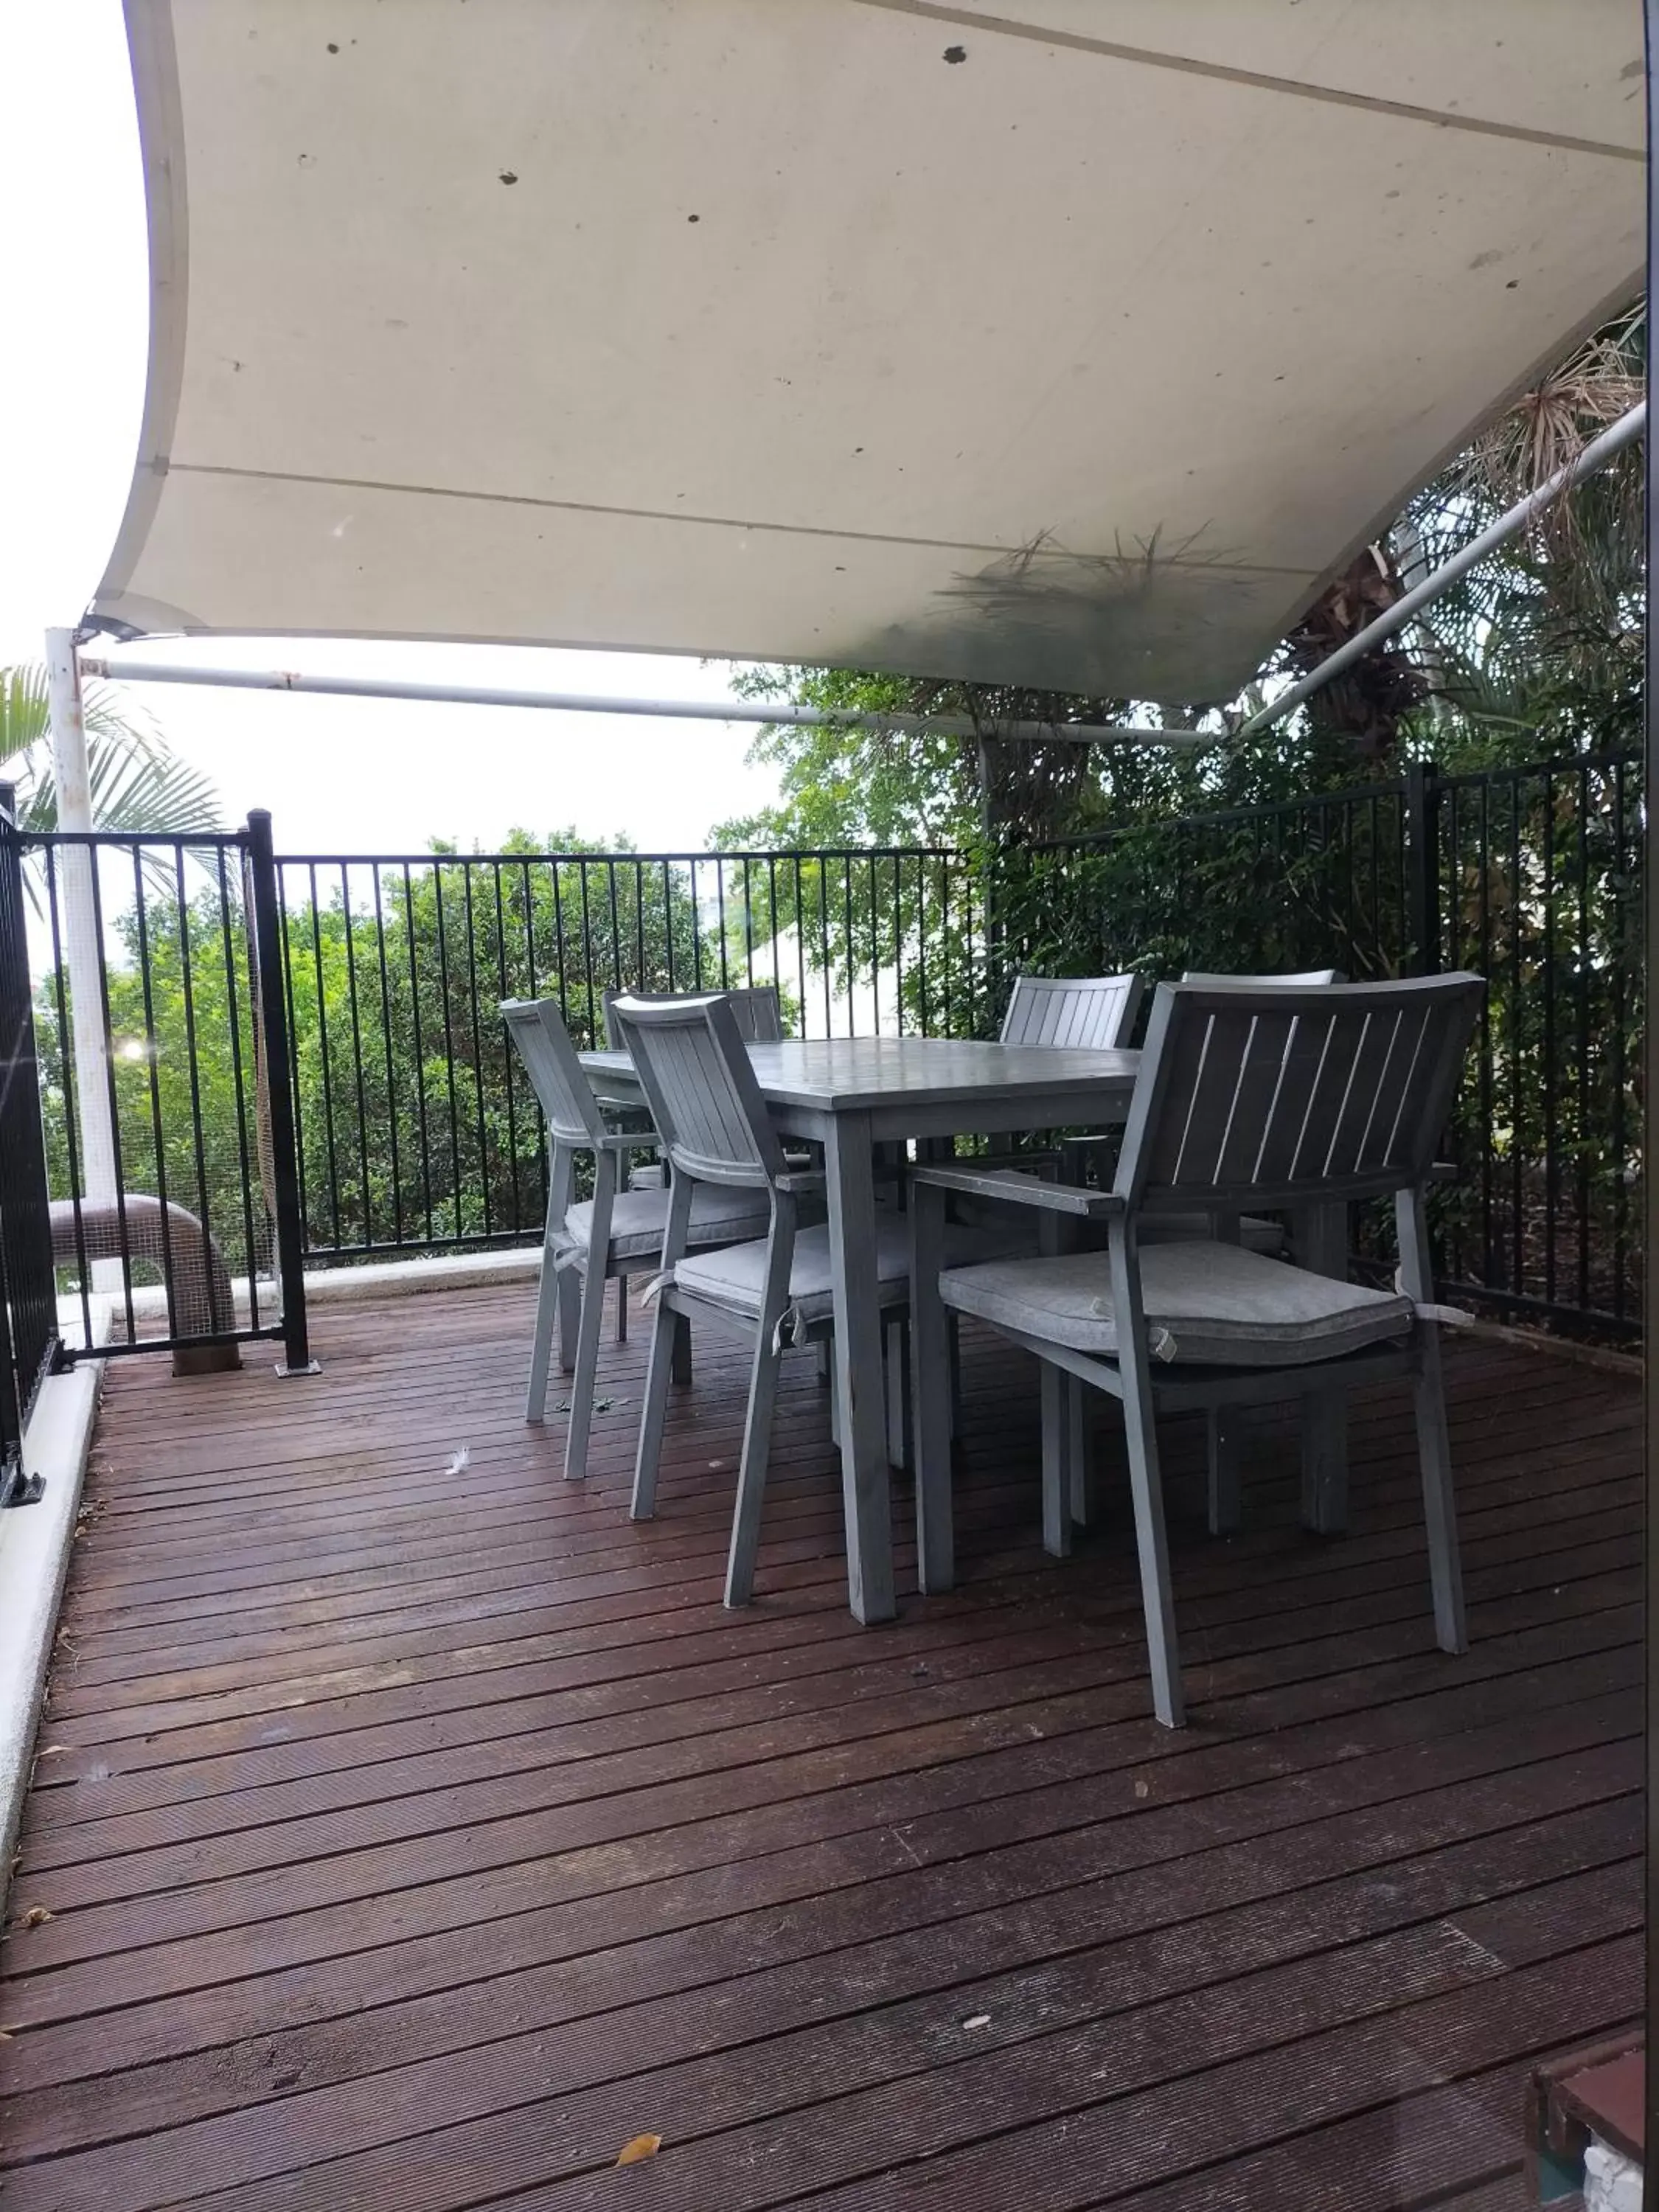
[(28, 1298), (162, 1195)]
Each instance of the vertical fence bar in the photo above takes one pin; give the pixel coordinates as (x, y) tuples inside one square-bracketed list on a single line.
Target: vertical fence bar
[(152, 1056), (385, 1043), (363, 1183), (239, 1084), (1423, 906), (71, 1110), (29, 1292), (280, 1094)]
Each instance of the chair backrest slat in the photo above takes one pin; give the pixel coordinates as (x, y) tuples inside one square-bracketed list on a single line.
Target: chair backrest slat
[(537, 1029), (693, 1064), (1094, 1013), (1265, 1095), (755, 1008), (1302, 981)]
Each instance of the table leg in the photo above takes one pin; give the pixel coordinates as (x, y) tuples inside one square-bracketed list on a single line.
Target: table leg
[(860, 1399), (1320, 1235)]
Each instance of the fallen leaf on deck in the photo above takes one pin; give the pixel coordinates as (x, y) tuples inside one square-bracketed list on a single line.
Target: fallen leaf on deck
[(36, 1916), (977, 2019), (640, 2147), (51, 1750)]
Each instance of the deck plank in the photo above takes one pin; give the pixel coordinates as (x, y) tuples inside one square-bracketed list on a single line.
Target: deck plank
[(411, 1841)]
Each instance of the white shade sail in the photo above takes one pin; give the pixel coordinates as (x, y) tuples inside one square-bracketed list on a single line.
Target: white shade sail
[(1066, 342)]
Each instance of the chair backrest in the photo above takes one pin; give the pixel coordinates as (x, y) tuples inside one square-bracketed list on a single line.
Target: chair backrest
[(1307, 977), (754, 1008), (1091, 1012), (566, 1097), (690, 1056), (1279, 1094)]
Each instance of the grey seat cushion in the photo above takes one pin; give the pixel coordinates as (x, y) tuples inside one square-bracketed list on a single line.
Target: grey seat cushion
[(1215, 1304), (734, 1277), (1255, 1234), (719, 1214)]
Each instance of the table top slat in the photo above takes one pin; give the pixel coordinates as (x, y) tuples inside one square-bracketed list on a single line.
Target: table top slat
[(859, 1074)]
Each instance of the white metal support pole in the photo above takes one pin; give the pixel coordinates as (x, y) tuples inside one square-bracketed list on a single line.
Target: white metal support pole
[(94, 1125), (1596, 455)]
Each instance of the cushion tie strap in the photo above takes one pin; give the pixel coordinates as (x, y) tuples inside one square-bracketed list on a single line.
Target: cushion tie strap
[(792, 1332), (1160, 1342), (1425, 1309)]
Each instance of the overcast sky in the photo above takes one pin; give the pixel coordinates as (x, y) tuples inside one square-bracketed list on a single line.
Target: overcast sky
[(336, 774)]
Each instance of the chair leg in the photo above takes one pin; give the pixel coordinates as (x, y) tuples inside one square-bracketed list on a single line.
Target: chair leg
[(762, 1397), (622, 1308), (953, 1354), (897, 1376), (592, 1320), (1439, 1502), (930, 1394), (1226, 1478), (1079, 1464), (751, 1472), (1146, 1485), (682, 1365), (548, 1298), (1056, 1487), (570, 1310), (834, 1396), (665, 1328), (557, 1293)]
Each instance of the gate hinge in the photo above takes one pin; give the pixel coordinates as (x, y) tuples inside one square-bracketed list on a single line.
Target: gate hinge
[(17, 1488)]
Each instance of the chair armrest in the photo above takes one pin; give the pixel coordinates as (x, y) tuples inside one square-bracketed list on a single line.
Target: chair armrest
[(798, 1182), (1444, 1171), (1018, 1189), (630, 1140)]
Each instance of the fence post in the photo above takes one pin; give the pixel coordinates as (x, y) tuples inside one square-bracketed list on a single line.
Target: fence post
[(1422, 862), (279, 1079), (28, 1283)]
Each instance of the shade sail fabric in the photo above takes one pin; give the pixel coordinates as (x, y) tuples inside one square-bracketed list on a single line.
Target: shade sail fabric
[(1067, 342)]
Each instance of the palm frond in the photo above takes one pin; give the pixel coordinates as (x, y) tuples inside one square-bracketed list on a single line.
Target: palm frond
[(139, 784)]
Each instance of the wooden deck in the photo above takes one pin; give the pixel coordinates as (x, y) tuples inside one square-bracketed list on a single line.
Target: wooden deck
[(408, 1842)]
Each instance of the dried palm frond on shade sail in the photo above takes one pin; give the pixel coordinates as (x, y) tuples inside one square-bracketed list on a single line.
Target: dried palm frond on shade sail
[(1071, 343)]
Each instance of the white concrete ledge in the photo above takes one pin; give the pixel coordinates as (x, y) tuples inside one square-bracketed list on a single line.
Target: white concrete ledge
[(35, 1541), (375, 1279)]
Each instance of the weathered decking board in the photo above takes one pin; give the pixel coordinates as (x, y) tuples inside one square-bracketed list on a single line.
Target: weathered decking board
[(412, 1840)]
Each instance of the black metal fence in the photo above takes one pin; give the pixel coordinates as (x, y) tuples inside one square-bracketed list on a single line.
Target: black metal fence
[(372, 983), (1531, 876), (416, 1128), (28, 1297), (152, 1209)]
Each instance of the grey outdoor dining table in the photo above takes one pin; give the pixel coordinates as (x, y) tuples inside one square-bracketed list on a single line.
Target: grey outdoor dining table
[(850, 1095)]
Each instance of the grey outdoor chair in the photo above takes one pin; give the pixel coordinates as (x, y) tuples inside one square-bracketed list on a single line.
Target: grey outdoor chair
[(1253, 1233), (1090, 1013), (614, 1234), (755, 1008), (775, 1291), (1278, 1096), (758, 1012)]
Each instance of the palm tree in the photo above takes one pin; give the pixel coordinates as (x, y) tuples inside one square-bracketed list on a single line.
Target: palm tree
[(139, 784)]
